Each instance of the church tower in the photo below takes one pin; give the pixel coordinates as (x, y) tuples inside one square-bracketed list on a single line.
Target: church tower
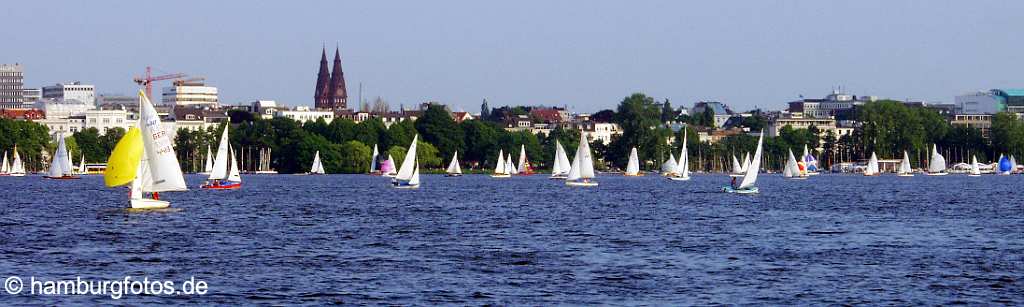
[(338, 94), (321, 96)]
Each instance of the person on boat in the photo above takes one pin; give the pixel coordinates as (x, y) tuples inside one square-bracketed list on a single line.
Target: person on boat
[(733, 184)]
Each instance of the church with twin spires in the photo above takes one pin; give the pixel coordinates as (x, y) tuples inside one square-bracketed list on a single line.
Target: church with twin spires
[(330, 93)]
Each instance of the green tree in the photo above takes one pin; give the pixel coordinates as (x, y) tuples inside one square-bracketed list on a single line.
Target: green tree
[(438, 128), (355, 157)]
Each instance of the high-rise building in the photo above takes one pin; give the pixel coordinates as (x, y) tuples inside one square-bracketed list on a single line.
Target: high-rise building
[(330, 92), (71, 91), (12, 78)]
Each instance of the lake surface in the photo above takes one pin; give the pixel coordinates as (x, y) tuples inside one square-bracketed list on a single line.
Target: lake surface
[(475, 240)]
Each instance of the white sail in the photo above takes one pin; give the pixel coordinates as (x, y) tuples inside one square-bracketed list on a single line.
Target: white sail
[(208, 166), (509, 166), (736, 167), (905, 164), (563, 160), (318, 166), (1013, 164), (872, 167), (408, 167), (556, 167), (633, 166), (500, 167), (750, 177), (142, 177), (373, 159), (453, 167), (163, 163), (5, 168), (683, 168), (746, 163), (583, 163), (975, 170), (17, 166), (522, 159), (81, 165), (220, 163), (60, 165), (791, 169), (669, 167), (233, 171), (938, 163)]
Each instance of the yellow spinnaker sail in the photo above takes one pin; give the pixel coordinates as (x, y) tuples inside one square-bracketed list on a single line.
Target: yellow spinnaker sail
[(124, 161)]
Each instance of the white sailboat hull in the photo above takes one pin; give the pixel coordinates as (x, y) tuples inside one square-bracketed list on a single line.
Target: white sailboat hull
[(751, 190), (400, 184), (501, 175), (149, 204), (973, 175), (581, 183), (558, 177), (905, 175), (735, 175), (798, 178), (937, 174), (679, 178)]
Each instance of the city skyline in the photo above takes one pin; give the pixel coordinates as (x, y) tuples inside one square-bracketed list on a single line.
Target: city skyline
[(584, 55)]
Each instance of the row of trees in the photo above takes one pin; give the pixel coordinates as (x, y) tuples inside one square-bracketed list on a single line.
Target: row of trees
[(886, 127)]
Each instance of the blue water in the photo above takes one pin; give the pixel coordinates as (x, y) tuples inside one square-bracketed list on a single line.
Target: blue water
[(531, 241)]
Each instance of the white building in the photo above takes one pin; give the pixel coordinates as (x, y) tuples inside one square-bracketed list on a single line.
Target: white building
[(799, 121), (71, 91), (102, 120), (303, 114), (187, 94), (59, 108), (979, 103), (265, 108), (601, 132)]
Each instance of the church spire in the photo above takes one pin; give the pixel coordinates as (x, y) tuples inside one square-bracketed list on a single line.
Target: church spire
[(338, 93), (321, 97)]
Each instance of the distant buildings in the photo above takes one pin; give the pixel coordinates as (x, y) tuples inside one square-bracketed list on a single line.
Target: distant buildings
[(830, 106), (722, 112), (31, 94), (799, 121), (1013, 99), (12, 78), (71, 91), (304, 114), (330, 92), (190, 94), (265, 109), (982, 122), (979, 103)]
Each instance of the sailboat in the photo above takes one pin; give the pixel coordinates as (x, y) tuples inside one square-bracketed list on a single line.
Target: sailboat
[(792, 168), (5, 168), (937, 164), (633, 166), (81, 166), (318, 166), (905, 170), (872, 167), (524, 164), (511, 167), (17, 166), (737, 168), (145, 159), (668, 168), (225, 168), (810, 163), (501, 168), (208, 166), (746, 185), (975, 170), (1005, 167), (682, 172), (264, 165), (582, 172), (409, 173), (387, 168), (60, 166), (561, 166), (1013, 165), (454, 170), (373, 162), (746, 163)]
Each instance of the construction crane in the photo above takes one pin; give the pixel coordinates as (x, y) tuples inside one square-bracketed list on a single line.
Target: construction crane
[(180, 82), (149, 78)]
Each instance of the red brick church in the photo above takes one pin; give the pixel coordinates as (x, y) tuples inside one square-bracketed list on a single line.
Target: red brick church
[(330, 93)]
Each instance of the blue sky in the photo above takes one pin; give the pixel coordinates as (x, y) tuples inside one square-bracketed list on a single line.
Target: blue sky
[(584, 54)]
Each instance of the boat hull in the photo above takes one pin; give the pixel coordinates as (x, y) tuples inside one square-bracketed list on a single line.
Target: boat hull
[(501, 176), (905, 175), (634, 175), (937, 174), (149, 204), (973, 175), (797, 178), (736, 175), (398, 184), (62, 177), (558, 177), (729, 189), (679, 178), (581, 183), (453, 175), (233, 186)]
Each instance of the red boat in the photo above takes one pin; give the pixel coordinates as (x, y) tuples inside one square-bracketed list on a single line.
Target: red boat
[(63, 177), (218, 185)]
